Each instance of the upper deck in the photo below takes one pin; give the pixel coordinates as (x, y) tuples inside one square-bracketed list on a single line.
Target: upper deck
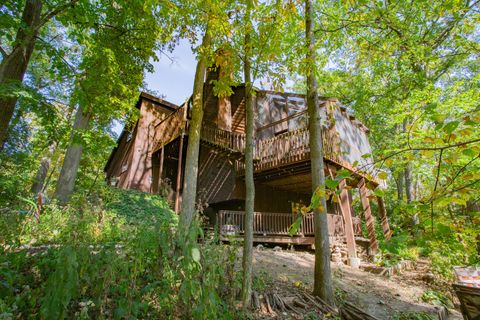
[(281, 134)]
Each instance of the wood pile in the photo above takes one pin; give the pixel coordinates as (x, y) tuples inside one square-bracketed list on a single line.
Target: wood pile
[(350, 312), (295, 303), (291, 305)]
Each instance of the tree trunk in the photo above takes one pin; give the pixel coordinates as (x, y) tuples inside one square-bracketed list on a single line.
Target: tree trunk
[(323, 277), (191, 160), (249, 183), (68, 173), (14, 65), (39, 181), (409, 183), (408, 170), (399, 182)]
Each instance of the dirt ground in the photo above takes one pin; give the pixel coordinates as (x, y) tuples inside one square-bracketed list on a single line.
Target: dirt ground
[(380, 296)]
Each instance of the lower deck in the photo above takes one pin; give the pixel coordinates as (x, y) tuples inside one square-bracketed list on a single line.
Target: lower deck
[(273, 227)]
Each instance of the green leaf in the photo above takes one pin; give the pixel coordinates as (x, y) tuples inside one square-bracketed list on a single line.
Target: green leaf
[(295, 226), (379, 192), (331, 184), (342, 174), (450, 127), (469, 152), (382, 175), (196, 255)]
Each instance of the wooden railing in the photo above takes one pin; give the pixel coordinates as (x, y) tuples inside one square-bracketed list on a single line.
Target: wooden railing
[(230, 140), (292, 147), (283, 149), (274, 224)]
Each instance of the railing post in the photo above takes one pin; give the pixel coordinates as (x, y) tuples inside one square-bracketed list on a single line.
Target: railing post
[(369, 219), (345, 208)]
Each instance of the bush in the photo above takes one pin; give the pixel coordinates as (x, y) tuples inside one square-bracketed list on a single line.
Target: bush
[(112, 256)]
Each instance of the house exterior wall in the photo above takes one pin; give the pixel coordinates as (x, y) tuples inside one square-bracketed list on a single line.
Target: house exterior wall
[(354, 140), (131, 163)]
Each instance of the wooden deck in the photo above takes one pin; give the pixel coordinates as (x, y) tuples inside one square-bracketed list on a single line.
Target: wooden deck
[(273, 227), (289, 148)]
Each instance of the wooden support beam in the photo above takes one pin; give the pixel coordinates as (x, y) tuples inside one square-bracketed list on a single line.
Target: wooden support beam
[(345, 209), (179, 174), (384, 219), (369, 219), (160, 170)]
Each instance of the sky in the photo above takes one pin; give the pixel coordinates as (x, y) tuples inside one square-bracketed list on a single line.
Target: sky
[(174, 79)]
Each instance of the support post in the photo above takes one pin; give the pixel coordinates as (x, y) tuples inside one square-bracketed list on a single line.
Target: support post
[(160, 170), (369, 219), (179, 175), (384, 219), (347, 218)]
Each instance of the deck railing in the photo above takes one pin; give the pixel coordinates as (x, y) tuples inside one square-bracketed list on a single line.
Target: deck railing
[(284, 149), (226, 139), (274, 224)]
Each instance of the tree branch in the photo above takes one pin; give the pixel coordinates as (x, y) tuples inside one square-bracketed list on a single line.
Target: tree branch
[(54, 12)]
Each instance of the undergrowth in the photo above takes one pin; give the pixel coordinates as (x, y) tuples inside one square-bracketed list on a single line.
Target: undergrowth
[(110, 256)]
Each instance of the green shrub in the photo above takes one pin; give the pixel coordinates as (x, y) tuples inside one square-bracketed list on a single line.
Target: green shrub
[(112, 256)]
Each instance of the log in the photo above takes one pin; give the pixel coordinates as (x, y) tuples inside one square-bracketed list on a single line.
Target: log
[(279, 302), (255, 300), (300, 303), (267, 302), (350, 312), (325, 308), (329, 308)]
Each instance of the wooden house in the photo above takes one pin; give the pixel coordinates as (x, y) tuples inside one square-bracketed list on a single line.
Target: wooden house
[(151, 157)]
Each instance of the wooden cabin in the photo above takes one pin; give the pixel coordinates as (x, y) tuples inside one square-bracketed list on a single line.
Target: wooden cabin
[(150, 157)]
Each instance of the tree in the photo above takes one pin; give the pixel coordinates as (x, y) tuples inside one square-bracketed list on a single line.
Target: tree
[(193, 148), (114, 60), (249, 182), (212, 17), (323, 275), (406, 71), (14, 64)]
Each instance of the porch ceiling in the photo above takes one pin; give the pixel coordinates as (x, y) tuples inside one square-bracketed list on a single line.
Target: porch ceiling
[(301, 183), (297, 177)]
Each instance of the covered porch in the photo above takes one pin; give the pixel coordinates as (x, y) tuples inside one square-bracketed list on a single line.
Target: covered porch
[(272, 227)]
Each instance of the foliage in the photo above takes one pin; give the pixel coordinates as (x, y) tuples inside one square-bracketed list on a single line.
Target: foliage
[(109, 258), (412, 316), (437, 298)]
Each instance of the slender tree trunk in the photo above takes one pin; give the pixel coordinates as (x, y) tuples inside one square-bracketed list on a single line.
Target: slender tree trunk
[(323, 277), (408, 170), (249, 183), (42, 172), (191, 160), (399, 182), (14, 65), (68, 173), (408, 183)]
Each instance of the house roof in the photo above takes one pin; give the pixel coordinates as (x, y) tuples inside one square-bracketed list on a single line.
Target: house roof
[(343, 108), (157, 100)]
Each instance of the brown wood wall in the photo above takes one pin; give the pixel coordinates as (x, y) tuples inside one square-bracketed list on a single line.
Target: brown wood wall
[(136, 155)]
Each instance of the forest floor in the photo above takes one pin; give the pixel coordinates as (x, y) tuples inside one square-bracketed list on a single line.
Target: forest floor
[(381, 296)]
